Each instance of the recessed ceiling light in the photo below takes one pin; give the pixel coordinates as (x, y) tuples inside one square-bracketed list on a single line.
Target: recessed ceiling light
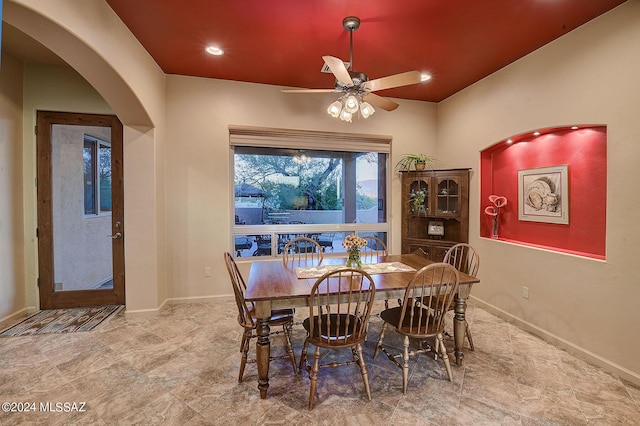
[(536, 133), (574, 127), (214, 50), (509, 141), (425, 76)]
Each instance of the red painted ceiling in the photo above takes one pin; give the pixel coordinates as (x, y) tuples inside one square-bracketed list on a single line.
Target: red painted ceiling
[(281, 42)]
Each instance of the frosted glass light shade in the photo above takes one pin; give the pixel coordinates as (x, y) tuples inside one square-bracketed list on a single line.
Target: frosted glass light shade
[(351, 104), (334, 109), (366, 109), (345, 115)]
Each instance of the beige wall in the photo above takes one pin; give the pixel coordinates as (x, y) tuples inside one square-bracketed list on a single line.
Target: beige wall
[(589, 76), (90, 37), (12, 283), (199, 112)]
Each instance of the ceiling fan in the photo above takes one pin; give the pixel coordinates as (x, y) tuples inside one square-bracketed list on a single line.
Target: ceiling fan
[(356, 87)]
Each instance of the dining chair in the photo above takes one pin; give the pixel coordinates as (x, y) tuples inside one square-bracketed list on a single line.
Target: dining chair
[(263, 245), (466, 260), (247, 320), (375, 247), (435, 285), (302, 250), (325, 239), (339, 309)]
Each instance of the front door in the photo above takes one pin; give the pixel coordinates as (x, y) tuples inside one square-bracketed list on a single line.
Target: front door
[(80, 210)]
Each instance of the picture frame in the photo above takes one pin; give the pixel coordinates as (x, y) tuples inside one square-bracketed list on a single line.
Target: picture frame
[(543, 194)]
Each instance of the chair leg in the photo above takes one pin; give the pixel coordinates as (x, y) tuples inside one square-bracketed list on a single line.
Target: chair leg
[(313, 377), (303, 354), (379, 343), (243, 341), (467, 332), (443, 354), (405, 365), (287, 334), (363, 370), (244, 348)]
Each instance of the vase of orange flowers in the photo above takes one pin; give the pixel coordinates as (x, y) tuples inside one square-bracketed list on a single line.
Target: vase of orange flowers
[(353, 244)]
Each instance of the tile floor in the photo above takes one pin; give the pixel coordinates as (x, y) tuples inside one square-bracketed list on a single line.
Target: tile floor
[(180, 368)]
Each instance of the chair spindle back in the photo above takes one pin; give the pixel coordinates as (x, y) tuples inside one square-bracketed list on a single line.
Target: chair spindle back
[(302, 251), (342, 301), (245, 318), (464, 258), (427, 298), (375, 247)]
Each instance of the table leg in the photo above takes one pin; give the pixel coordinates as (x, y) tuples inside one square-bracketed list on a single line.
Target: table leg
[(263, 347), (459, 328)]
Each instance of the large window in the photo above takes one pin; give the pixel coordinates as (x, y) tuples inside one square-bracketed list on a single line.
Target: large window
[(96, 157), (319, 185)]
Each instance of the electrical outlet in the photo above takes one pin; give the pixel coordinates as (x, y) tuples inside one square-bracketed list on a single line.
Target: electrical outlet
[(525, 292), (207, 271)]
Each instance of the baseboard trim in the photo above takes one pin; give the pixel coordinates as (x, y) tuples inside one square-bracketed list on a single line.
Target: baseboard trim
[(573, 349), (177, 301), (28, 310)]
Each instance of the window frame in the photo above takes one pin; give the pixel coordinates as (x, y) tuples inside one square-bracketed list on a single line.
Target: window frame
[(96, 144), (305, 140)]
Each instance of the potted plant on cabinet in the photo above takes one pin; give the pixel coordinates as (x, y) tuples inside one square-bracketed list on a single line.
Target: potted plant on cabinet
[(415, 162)]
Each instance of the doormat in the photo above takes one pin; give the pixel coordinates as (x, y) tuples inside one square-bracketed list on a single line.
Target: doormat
[(63, 320)]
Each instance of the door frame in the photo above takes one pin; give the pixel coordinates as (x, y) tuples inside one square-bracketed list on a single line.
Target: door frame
[(49, 298)]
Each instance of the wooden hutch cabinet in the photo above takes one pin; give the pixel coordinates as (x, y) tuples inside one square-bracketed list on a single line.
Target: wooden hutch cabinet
[(435, 210)]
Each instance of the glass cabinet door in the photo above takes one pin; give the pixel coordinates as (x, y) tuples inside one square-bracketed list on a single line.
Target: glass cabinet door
[(448, 196), (419, 197)]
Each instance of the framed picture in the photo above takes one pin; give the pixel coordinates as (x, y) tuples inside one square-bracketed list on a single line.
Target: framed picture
[(543, 194)]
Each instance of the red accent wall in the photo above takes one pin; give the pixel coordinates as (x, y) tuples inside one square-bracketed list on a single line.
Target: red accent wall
[(585, 151)]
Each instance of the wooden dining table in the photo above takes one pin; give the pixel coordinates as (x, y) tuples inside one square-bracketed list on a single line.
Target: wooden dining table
[(272, 284)]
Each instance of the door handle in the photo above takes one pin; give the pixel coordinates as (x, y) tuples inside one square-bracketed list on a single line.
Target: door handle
[(115, 236)]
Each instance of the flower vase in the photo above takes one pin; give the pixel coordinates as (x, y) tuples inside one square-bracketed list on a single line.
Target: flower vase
[(354, 261), (494, 228)]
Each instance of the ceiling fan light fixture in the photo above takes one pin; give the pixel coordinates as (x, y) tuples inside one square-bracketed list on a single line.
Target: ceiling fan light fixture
[(366, 109), (334, 109)]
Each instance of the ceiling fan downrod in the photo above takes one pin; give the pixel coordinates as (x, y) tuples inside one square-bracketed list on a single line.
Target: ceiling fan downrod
[(351, 23)]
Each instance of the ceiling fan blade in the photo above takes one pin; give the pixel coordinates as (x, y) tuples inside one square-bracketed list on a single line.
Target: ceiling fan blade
[(338, 69), (380, 102), (308, 90), (396, 80)]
